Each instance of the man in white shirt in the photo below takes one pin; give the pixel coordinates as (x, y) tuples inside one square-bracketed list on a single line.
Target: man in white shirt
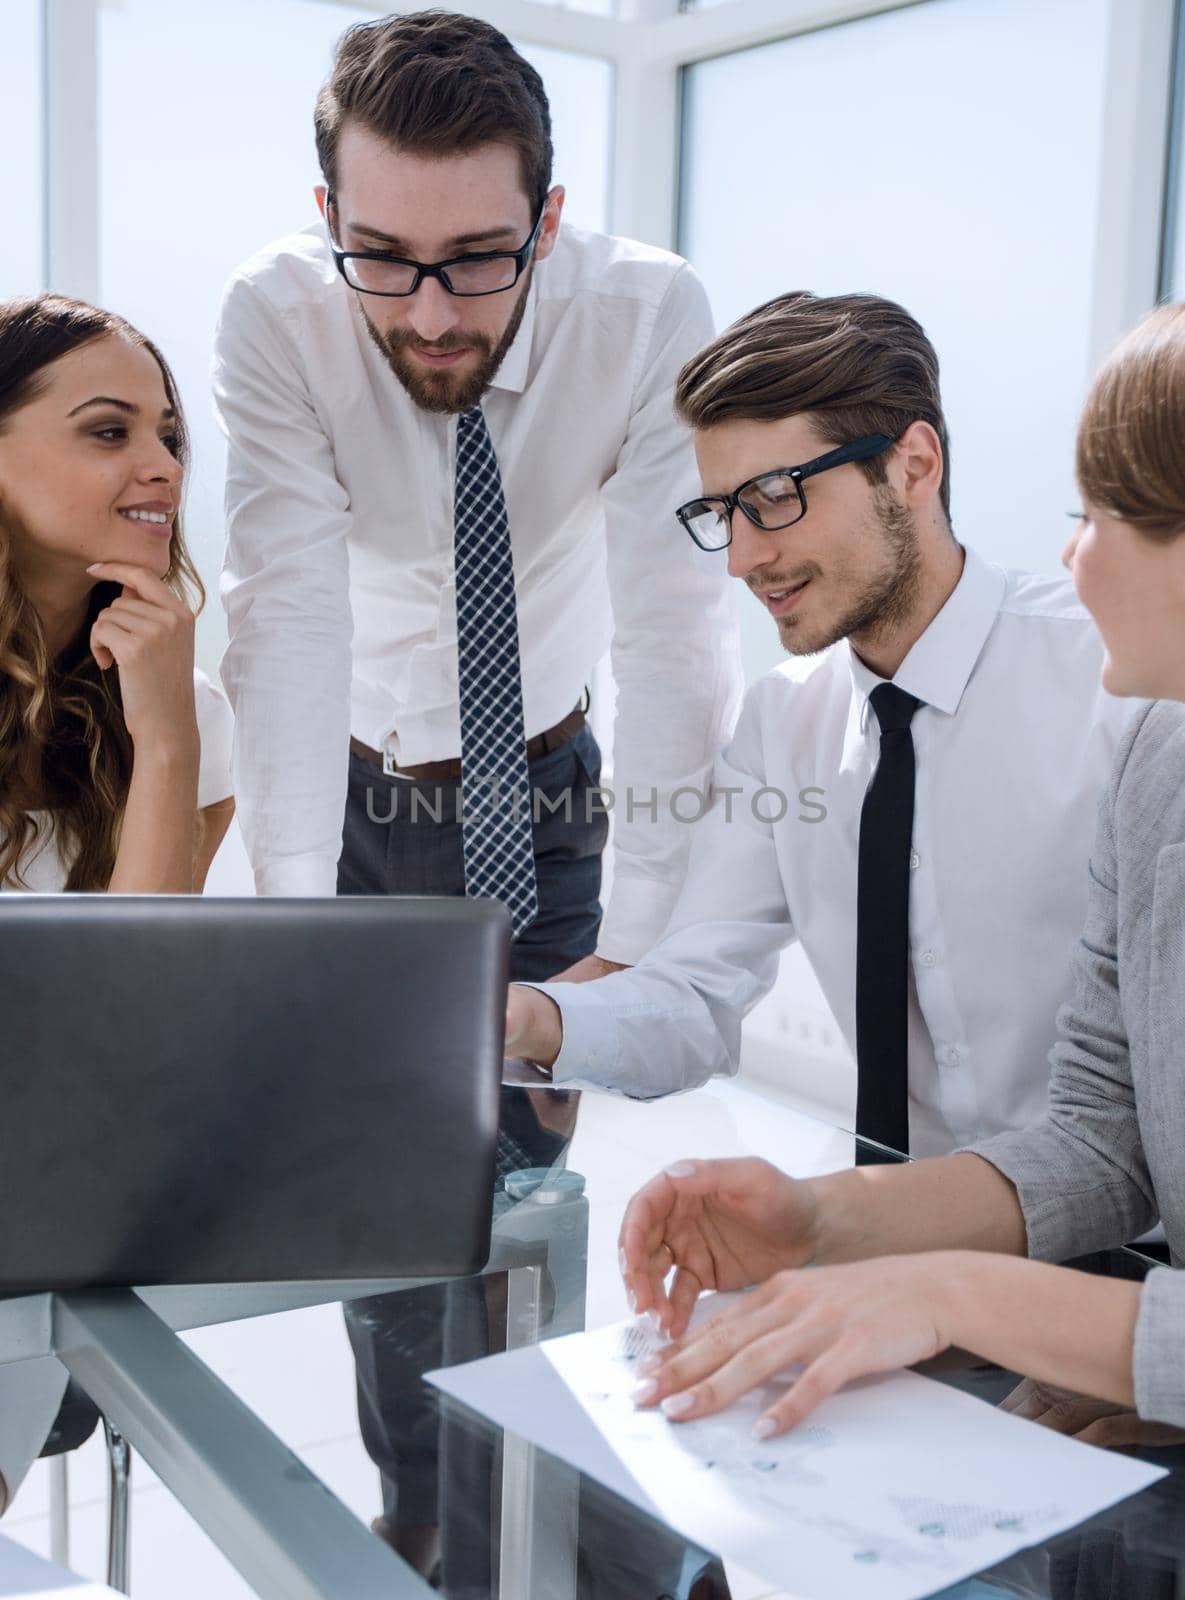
[(935, 869), (341, 413), (452, 472)]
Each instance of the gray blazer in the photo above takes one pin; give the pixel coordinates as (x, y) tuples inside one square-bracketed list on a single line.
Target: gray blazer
[(1108, 1156)]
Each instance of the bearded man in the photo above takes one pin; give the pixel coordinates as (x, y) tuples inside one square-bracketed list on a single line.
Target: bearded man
[(453, 467)]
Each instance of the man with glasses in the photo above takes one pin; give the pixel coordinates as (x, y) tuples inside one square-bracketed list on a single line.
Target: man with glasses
[(912, 795), (453, 457)]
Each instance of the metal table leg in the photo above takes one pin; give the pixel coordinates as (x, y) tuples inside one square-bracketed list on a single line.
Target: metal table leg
[(273, 1519), (540, 1495)]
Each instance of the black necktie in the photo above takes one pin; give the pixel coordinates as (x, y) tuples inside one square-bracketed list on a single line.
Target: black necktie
[(882, 931)]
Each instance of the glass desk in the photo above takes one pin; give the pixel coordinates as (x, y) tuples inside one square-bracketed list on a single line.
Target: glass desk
[(250, 1421)]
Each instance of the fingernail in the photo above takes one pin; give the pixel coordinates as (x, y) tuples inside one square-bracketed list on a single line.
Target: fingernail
[(94, 566), (649, 1364), (631, 1300), (655, 1320), (764, 1428), (678, 1405), (621, 1262), (644, 1391), (680, 1169)]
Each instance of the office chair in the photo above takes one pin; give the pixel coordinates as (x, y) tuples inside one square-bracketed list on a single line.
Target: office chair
[(76, 1420)]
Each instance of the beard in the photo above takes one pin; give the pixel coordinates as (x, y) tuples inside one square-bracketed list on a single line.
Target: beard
[(879, 600), (447, 393)]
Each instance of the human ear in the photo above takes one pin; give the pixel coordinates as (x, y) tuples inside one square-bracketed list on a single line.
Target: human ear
[(553, 208), (1174, 568), (919, 464)]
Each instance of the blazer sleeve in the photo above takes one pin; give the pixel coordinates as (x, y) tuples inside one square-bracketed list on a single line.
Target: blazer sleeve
[(1080, 1173)]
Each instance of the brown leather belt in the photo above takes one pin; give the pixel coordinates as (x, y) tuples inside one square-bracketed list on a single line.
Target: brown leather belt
[(450, 771)]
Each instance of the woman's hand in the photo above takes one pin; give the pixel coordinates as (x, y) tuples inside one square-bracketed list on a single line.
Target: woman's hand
[(720, 1225), (839, 1323), (147, 634)]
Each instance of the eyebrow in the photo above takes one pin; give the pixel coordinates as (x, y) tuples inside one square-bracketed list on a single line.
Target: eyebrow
[(508, 230), (167, 413)]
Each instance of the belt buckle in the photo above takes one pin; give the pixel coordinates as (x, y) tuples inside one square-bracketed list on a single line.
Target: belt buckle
[(390, 770)]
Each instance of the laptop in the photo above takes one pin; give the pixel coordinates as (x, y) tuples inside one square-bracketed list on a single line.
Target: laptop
[(216, 1091)]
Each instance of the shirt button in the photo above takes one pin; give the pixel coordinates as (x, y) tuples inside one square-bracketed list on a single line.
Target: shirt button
[(914, 860), (928, 958)]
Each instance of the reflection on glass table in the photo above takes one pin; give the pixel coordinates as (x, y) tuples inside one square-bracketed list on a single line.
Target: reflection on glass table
[(283, 1352)]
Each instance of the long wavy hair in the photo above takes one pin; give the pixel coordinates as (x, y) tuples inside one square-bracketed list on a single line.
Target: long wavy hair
[(62, 719)]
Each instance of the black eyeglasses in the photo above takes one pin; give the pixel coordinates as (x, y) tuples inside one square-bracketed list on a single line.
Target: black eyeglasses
[(490, 272), (772, 500)]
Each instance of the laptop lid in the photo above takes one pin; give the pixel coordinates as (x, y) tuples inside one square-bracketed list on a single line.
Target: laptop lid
[(198, 1090)]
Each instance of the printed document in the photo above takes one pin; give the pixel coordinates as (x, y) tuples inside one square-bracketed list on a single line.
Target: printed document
[(893, 1489)]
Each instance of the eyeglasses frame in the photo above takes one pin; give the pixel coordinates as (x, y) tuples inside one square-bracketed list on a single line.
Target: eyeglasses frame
[(872, 444), (433, 269)]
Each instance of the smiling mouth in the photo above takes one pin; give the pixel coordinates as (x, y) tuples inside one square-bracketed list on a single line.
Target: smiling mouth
[(157, 518), (780, 601)]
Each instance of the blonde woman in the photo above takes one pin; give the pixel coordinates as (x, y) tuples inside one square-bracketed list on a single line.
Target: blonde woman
[(910, 1260), (114, 752)]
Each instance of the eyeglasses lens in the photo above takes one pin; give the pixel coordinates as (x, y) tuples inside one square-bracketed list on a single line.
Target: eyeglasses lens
[(773, 501)]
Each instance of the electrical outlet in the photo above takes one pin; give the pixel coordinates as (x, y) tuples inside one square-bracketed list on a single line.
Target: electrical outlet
[(795, 1049)]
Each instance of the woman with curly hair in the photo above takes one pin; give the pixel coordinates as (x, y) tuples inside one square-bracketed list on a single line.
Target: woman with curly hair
[(114, 752), (102, 717)]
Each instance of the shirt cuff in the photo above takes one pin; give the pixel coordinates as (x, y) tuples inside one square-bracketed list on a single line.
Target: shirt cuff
[(297, 877), (588, 1057), (636, 918), (1158, 1355)]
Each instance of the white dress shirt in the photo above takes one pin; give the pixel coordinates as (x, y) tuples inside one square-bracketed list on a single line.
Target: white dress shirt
[(1013, 744), (340, 514)]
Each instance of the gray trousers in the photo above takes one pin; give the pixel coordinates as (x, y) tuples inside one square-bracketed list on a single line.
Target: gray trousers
[(434, 1472)]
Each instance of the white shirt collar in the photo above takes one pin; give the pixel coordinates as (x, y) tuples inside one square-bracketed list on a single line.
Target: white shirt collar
[(940, 663), (513, 373)]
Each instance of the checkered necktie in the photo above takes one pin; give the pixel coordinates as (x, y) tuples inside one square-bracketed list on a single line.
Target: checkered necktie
[(495, 787)]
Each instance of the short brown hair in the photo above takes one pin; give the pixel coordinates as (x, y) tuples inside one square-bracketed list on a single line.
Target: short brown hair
[(436, 84), (857, 363), (1131, 459)]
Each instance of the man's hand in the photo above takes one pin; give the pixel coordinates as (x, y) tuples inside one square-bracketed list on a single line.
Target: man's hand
[(534, 1026), (1093, 1421), (589, 968), (837, 1323), (720, 1225)]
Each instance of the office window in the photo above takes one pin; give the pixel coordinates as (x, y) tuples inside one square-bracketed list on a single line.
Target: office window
[(1173, 282), (946, 155), (21, 248), (1175, 242), (207, 154), (600, 8), (580, 93)]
